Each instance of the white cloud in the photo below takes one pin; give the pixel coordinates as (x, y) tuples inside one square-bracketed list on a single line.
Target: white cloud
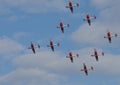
[(108, 65), (45, 60), (111, 16), (93, 35), (58, 63), (104, 3), (54, 68), (30, 77), (9, 46), (108, 19), (101, 2)]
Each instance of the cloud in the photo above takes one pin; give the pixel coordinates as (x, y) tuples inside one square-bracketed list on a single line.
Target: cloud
[(9, 46), (107, 19), (109, 65), (100, 2), (104, 3), (46, 67), (30, 77), (93, 35), (45, 60), (58, 63)]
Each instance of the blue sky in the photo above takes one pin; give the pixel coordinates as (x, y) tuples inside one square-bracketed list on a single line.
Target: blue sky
[(23, 21)]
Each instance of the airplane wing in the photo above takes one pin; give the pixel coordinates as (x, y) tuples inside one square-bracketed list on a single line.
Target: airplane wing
[(77, 55), (111, 36), (34, 47), (91, 68), (67, 56), (48, 45), (67, 6), (114, 36), (38, 46), (76, 5), (29, 48), (67, 25), (58, 44), (93, 17), (58, 27), (64, 26), (92, 55), (84, 19), (105, 36), (82, 70)]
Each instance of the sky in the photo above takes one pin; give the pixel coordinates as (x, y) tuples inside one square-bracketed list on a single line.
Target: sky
[(23, 21)]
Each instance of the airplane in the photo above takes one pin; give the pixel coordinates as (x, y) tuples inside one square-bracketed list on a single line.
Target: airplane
[(109, 36), (71, 56), (62, 26), (51, 45), (89, 18), (96, 54), (71, 5), (33, 47), (85, 69)]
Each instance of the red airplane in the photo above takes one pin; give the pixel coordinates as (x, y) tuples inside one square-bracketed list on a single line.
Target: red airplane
[(85, 69), (88, 18), (33, 47), (109, 36), (96, 54), (52, 45), (71, 56), (62, 26), (71, 5)]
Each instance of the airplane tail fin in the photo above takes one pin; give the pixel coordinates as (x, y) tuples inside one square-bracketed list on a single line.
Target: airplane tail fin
[(57, 27), (84, 19), (48, 45), (68, 25), (92, 68), (58, 44), (67, 6), (77, 4), (67, 56), (38, 46), (92, 55), (116, 35), (105, 37), (94, 17), (82, 70), (77, 55), (102, 53), (29, 47)]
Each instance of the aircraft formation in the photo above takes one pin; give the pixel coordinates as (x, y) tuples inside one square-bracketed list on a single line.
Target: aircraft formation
[(70, 55)]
